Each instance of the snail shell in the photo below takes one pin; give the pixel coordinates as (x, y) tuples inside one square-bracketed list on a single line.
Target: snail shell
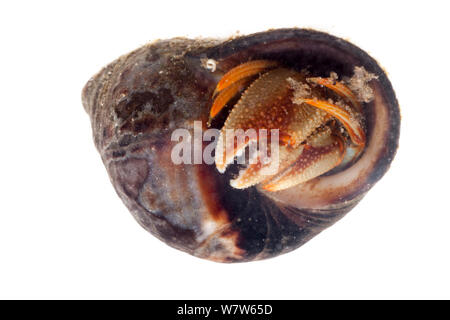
[(137, 101)]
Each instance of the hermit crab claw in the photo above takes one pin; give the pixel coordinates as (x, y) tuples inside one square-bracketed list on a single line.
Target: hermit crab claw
[(322, 153)]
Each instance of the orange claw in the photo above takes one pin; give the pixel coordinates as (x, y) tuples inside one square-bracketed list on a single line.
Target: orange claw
[(225, 96), (243, 71), (353, 127), (338, 87)]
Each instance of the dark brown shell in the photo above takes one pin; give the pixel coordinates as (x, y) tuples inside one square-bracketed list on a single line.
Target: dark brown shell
[(138, 100)]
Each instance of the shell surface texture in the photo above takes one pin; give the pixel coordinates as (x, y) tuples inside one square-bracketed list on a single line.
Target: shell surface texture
[(243, 149)]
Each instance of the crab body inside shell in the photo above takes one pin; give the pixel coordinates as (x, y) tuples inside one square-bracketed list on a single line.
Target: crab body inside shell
[(343, 106), (318, 122)]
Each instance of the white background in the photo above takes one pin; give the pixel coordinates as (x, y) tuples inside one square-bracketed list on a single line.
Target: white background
[(64, 233)]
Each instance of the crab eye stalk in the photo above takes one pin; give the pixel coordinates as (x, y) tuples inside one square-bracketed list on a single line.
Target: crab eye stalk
[(319, 122)]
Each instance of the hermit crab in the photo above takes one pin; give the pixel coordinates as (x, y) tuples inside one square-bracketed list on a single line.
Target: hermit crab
[(330, 109), (282, 99)]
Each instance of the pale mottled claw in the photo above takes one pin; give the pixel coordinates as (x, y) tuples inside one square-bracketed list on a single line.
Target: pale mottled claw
[(261, 172), (229, 146), (322, 153)]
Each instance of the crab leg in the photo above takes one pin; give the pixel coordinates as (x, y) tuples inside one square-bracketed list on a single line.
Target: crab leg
[(225, 95), (260, 172), (338, 87), (322, 153), (242, 71), (350, 123)]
